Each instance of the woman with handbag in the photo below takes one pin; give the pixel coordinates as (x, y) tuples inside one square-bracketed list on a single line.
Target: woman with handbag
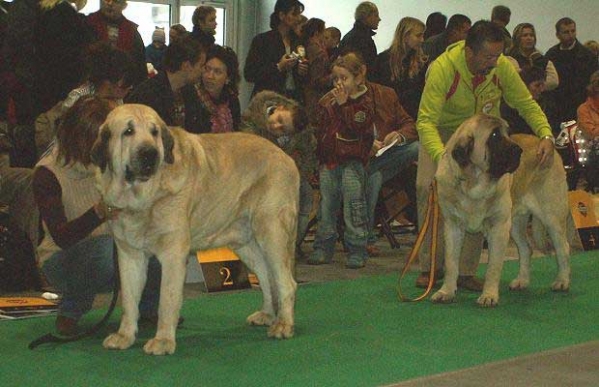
[(345, 137)]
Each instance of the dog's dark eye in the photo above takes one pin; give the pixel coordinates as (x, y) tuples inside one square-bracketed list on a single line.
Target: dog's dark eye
[(154, 132), (128, 132), (495, 135)]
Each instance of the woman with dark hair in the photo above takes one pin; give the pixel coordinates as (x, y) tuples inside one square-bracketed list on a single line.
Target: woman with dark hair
[(76, 254), (272, 62), (435, 24), (318, 81), (216, 109), (526, 54)]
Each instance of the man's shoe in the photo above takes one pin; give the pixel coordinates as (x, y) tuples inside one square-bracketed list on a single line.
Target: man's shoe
[(470, 282), (373, 251), (422, 280), (66, 326)]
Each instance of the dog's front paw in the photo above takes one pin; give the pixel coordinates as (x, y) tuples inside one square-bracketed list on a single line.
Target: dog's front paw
[(260, 318), (281, 330), (160, 347), (519, 284), (442, 297), (118, 341), (560, 285), (488, 299)]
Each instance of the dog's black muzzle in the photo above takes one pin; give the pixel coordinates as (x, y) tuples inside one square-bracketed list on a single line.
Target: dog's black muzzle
[(504, 157), (144, 164)]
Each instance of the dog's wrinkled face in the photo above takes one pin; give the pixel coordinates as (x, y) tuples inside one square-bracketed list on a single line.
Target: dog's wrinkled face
[(482, 140), (133, 142)]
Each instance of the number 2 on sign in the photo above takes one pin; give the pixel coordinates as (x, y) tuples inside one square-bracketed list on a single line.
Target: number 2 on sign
[(225, 272)]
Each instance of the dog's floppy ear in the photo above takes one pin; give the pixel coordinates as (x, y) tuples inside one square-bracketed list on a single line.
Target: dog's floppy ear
[(168, 142), (462, 151), (99, 153)]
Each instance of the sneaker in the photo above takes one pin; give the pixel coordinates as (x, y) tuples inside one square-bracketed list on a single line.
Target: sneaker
[(422, 280), (373, 251), (355, 263), (66, 326), (299, 254), (470, 282), (318, 257)]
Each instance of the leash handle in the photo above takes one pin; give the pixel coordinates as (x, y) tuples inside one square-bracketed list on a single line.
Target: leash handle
[(431, 219)]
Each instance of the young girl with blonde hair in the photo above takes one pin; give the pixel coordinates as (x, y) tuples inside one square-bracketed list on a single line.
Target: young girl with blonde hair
[(345, 137)]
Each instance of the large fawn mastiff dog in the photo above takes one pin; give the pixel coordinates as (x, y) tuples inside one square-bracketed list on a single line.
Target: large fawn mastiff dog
[(491, 183), (178, 192)]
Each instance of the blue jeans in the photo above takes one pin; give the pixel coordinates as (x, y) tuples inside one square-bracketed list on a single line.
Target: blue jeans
[(343, 184), (382, 169), (86, 269), (306, 200)]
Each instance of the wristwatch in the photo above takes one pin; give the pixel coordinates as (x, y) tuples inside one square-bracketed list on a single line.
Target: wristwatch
[(550, 138)]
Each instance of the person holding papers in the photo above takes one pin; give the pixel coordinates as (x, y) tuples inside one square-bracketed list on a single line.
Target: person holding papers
[(395, 148)]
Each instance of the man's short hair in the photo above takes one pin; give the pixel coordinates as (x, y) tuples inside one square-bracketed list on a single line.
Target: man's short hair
[(365, 9), (565, 21), (530, 74), (481, 32), (186, 49), (103, 62), (456, 22), (334, 32), (502, 13), (200, 13)]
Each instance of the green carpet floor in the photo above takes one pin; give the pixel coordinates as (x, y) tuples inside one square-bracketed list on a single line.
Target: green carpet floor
[(348, 333)]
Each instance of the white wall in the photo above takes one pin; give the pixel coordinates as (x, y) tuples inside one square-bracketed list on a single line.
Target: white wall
[(541, 13)]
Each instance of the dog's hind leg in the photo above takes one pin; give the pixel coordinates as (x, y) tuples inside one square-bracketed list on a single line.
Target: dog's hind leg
[(275, 233), (253, 257), (133, 266), (518, 233), (557, 233)]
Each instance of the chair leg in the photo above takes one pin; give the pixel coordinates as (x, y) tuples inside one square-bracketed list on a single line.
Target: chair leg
[(382, 217)]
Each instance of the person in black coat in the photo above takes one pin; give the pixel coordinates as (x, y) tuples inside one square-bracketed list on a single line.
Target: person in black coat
[(60, 38), (359, 39), (183, 64), (270, 64), (204, 25), (574, 64)]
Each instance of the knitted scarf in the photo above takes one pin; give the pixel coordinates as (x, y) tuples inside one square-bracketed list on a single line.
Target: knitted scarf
[(220, 113)]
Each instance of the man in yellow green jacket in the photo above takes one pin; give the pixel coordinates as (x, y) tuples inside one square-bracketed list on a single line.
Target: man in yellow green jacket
[(471, 77)]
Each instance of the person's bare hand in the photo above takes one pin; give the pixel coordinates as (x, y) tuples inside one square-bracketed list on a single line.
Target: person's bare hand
[(106, 212), (302, 67), (376, 145), (389, 138), (545, 152), (286, 63), (340, 93)]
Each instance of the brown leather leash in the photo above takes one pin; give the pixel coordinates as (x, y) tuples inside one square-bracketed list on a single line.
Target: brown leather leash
[(431, 220)]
